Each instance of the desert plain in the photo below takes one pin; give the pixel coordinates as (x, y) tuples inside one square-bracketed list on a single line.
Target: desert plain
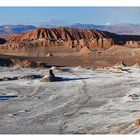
[(99, 88)]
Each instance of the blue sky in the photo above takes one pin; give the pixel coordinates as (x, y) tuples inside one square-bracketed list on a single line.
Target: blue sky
[(69, 15)]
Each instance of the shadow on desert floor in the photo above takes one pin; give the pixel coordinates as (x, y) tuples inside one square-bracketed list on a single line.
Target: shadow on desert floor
[(61, 79), (6, 97)]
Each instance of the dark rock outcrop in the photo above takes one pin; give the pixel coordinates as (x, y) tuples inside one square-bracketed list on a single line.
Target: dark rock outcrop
[(5, 62), (27, 63), (32, 76), (21, 63), (9, 78), (2, 41)]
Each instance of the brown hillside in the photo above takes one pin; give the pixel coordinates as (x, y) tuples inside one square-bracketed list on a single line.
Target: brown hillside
[(66, 37)]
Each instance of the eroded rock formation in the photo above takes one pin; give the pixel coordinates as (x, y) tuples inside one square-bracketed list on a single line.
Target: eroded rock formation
[(133, 44), (62, 37), (45, 41)]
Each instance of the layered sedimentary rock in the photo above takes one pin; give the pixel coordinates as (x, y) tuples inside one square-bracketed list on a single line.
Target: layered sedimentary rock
[(43, 41), (65, 37), (23, 48), (133, 44)]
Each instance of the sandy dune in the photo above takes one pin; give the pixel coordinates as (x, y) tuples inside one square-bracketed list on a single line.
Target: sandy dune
[(86, 101)]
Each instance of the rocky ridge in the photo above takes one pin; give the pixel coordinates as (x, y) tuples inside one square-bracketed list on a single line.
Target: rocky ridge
[(66, 37)]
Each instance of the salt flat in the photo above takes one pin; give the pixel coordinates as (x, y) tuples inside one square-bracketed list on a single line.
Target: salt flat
[(86, 101)]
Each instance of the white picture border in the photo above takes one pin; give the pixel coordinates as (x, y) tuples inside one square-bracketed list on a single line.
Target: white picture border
[(70, 3), (73, 3)]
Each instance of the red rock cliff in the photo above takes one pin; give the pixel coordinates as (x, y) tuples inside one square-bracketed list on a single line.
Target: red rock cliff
[(66, 37)]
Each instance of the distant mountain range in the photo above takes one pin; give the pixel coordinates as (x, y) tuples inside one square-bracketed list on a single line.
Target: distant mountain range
[(123, 28), (6, 30)]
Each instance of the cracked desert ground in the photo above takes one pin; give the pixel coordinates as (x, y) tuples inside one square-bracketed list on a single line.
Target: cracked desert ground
[(88, 101)]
